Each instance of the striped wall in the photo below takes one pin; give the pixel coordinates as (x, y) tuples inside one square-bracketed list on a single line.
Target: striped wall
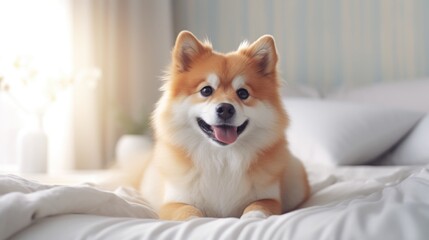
[(325, 44)]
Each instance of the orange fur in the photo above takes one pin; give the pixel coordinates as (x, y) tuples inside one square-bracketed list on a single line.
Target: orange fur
[(179, 211), (267, 206), (189, 175)]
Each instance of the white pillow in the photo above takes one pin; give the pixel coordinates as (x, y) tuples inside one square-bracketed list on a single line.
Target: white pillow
[(335, 133), (414, 149), (407, 94)]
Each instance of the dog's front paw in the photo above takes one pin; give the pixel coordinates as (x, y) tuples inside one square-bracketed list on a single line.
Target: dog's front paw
[(255, 214), (179, 212)]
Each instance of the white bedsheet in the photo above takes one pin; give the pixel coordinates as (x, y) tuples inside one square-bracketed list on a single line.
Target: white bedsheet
[(346, 203), (23, 202)]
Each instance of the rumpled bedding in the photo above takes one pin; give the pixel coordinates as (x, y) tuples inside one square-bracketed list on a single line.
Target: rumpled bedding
[(346, 203), (22, 202)]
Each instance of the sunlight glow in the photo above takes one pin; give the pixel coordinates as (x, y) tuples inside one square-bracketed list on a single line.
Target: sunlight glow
[(35, 49), (40, 29)]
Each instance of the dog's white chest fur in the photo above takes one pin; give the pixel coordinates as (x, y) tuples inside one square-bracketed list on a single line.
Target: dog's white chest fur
[(222, 192), (219, 185)]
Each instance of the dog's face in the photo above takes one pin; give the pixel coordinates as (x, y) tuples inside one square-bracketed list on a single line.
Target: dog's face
[(224, 100), (220, 116)]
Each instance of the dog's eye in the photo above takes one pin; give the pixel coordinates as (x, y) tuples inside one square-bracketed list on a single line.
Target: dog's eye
[(206, 91), (242, 93)]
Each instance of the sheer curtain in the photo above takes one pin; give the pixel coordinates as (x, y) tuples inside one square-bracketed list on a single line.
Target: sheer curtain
[(129, 41), (37, 34)]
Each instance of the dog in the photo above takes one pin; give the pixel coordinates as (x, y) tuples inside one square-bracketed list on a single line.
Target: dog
[(219, 127)]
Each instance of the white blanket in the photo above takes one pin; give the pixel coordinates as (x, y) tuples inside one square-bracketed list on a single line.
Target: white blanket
[(23, 202), (346, 203)]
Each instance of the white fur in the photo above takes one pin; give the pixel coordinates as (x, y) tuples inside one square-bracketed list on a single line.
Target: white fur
[(207, 111), (238, 82), (213, 80), (255, 214), (243, 45)]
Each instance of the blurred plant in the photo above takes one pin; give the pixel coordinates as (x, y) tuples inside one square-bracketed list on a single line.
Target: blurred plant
[(133, 126)]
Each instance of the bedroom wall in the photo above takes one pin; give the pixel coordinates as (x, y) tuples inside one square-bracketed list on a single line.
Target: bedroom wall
[(325, 44)]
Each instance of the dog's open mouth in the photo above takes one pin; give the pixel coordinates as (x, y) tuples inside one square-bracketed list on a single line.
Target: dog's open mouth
[(222, 134)]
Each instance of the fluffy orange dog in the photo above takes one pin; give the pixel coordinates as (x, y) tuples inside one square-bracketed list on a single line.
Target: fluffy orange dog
[(220, 147)]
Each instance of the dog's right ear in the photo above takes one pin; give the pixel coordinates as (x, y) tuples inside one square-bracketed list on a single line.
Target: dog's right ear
[(263, 53), (186, 50)]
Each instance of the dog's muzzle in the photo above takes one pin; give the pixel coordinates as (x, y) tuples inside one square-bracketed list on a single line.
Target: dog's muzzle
[(224, 133)]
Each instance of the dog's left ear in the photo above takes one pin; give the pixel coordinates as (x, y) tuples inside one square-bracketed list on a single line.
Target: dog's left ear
[(186, 50), (263, 52)]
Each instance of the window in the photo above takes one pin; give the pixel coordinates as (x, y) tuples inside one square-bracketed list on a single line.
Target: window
[(36, 30)]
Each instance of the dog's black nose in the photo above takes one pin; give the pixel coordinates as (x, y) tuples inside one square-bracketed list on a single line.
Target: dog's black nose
[(225, 111)]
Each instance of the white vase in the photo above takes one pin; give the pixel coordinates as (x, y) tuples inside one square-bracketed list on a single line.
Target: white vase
[(32, 145), (130, 145), (58, 126)]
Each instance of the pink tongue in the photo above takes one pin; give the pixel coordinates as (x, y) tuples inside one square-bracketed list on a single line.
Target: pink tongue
[(226, 135)]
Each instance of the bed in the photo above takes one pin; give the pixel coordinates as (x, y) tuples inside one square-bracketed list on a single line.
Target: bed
[(368, 166)]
